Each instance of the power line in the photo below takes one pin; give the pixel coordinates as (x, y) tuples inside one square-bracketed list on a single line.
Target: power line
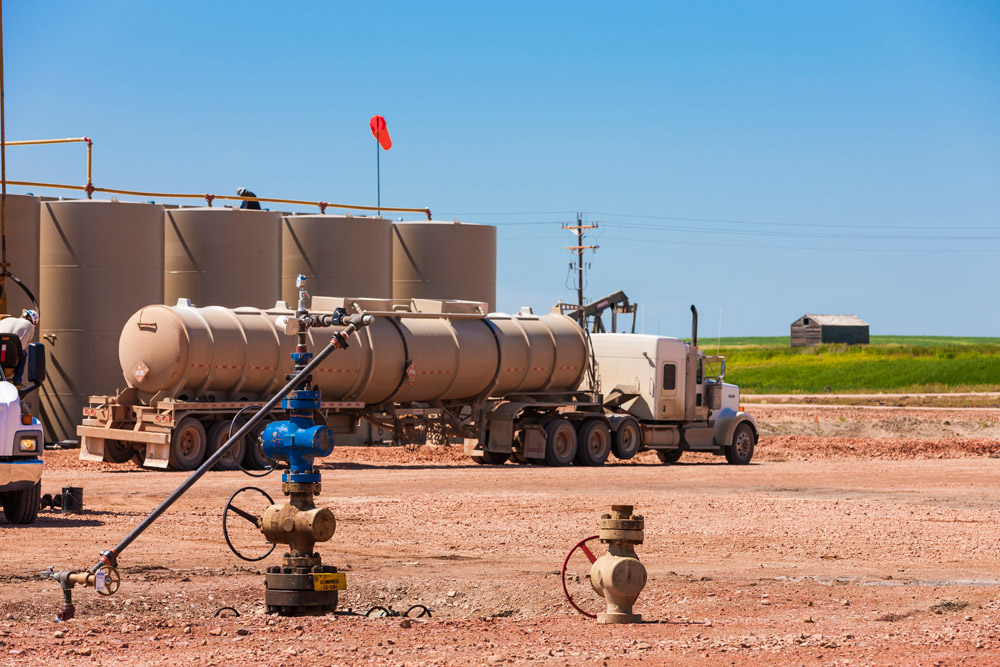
[(765, 247)]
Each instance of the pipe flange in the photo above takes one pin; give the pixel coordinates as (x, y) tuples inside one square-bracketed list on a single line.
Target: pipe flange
[(288, 488), (622, 526)]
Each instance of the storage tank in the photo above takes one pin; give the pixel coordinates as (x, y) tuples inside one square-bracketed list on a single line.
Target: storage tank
[(338, 254), (22, 250), (98, 261), (444, 260), (429, 355), (222, 256)]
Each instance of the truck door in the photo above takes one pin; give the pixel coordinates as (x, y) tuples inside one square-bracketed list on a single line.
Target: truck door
[(670, 403)]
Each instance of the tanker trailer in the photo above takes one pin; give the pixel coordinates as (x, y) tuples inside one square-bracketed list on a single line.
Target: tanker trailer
[(188, 371)]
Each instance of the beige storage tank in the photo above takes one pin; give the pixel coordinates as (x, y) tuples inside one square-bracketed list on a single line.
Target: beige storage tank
[(337, 254), (99, 261), (22, 250), (444, 260), (229, 354), (221, 256)]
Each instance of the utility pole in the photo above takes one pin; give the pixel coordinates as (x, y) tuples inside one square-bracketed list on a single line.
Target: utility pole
[(579, 230)]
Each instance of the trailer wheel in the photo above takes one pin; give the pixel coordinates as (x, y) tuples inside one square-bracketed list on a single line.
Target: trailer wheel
[(188, 444), (218, 434), (560, 442), (22, 506), (741, 450), (491, 458), (254, 458), (115, 451), (139, 456), (626, 439), (593, 443), (669, 456)]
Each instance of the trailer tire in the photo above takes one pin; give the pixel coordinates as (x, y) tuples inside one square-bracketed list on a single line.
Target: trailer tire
[(139, 456), (740, 451), (593, 443), (560, 442), (218, 433), (115, 451), (491, 458), (626, 438), (669, 456), (188, 445), (254, 457), (21, 507)]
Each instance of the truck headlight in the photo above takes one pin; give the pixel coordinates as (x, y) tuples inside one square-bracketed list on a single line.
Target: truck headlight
[(27, 443)]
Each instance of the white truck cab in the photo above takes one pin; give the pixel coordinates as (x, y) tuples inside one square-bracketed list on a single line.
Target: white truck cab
[(678, 395), (21, 435)]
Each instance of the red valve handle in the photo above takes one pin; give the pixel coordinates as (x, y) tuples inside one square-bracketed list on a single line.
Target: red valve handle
[(582, 546)]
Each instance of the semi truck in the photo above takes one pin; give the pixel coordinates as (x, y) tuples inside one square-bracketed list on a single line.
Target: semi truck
[(21, 435), (535, 388)]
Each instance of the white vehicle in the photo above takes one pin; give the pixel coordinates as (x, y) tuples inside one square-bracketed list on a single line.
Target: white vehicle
[(21, 436)]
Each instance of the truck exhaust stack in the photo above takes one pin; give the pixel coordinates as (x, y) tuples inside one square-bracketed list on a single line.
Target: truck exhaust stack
[(694, 326)]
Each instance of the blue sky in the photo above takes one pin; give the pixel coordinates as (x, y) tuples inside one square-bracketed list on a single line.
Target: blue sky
[(765, 159)]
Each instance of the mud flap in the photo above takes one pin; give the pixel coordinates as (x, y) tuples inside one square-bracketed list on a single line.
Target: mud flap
[(157, 455), (91, 449)]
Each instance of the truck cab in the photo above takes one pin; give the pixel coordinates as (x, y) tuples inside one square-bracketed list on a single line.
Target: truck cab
[(678, 395), (21, 435)]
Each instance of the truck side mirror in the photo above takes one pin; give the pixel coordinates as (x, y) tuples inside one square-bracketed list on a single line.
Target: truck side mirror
[(36, 363)]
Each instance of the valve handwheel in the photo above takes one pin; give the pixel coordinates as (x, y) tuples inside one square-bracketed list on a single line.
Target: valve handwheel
[(251, 518), (582, 546), (112, 580)]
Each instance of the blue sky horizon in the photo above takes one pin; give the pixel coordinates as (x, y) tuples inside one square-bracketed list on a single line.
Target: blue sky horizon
[(761, 160)]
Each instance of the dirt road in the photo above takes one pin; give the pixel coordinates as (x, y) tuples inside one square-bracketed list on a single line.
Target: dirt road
[(839, 559)]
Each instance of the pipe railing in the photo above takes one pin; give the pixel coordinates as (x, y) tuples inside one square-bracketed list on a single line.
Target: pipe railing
[(209, 198), (89, 188)]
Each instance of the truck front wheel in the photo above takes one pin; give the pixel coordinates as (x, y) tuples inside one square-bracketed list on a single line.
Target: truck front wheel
[(741, 450), (593, 443), (22, 506), (560, 442)]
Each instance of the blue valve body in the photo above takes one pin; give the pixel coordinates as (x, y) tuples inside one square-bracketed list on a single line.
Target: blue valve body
[(299, 439)]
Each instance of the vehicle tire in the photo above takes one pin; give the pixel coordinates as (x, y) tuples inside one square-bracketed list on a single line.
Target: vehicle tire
[(669, 456), (218, 434), (593, 443), (188, 445), (115, 451), (741, 450), (491, 458), (560, 442), (626, 438), (22, 506), (254, 457), (139, 456)]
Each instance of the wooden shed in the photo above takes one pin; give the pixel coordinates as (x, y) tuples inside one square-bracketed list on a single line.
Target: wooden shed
[(815, 329)]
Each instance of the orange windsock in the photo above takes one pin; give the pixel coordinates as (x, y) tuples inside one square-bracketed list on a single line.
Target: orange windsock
[(380, 132)]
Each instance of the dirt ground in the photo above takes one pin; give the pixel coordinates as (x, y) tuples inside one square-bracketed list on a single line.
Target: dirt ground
[(857, 537)]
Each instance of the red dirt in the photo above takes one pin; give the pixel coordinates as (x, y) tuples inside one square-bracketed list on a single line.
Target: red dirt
[(830, 550)]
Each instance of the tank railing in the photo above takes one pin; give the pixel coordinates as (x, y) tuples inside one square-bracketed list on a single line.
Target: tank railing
[(89, 188), (424, 315), (209, 198)]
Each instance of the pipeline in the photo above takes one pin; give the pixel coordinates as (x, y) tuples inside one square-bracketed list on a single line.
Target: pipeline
[(209, 198)]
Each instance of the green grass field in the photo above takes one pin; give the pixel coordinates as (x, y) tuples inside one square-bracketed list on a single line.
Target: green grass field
[(768, 365)]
